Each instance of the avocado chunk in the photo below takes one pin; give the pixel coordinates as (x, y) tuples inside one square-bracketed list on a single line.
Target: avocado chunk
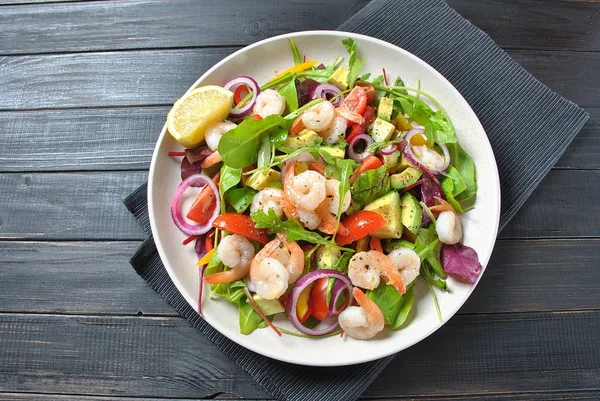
[(388, 207), (268, 306), (392, 160), (381, 130), (334, 151), (407, 177), (327, 257), (305, 138), (412, 215), (339, 78), (386, 107), (259, 179)]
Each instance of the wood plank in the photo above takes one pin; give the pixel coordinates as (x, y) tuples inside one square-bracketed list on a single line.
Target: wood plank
[(545, 396), (537, 24), (152, 78), (124, 138), (128, 356), (146, 24), (160, 357), (80, 139), (87, 206), (101, 281), (68, 206)]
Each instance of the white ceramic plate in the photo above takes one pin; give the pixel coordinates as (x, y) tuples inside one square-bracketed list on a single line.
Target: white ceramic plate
[(261, 60)]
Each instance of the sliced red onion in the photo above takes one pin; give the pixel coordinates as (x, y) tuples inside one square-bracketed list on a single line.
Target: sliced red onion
[(326, 326), (254, 88), (389, 149), (336, 293), (409, 152), (327, 91), (301, 157), (197, 180), (368, 142)]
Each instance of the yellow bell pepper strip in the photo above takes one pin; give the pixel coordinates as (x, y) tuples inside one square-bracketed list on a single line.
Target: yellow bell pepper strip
[(297, 68)]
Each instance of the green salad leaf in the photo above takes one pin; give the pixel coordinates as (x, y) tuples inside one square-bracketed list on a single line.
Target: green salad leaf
[(465, 166), (370, 185), (239, 147), (240, 198), (264, 151), (249, 319), (295, 52), (395, 306), (291, 228), (289, 93), (354, 65), (230, 177)]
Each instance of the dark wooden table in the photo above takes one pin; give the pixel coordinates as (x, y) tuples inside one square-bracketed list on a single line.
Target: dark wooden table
[(84, 90)]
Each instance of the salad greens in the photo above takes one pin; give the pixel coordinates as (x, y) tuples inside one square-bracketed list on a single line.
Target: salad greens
[(396, 196)]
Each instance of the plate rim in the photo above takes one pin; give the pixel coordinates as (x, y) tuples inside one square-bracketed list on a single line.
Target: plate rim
[(342, 35)]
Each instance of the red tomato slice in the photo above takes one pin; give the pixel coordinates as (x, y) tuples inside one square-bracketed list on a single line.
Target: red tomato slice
[(204, 204), (355, 101), (360, 224), (369, 163), (237, 223), (240, 93), (318, 299), (369, 91), (256, 117), (303, 308), (361, 128)]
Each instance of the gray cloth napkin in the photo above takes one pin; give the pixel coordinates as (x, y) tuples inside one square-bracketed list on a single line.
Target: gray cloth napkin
[(528, 125)]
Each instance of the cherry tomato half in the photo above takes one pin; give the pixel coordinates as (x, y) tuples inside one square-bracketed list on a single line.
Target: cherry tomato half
[(369, 163), (355, 101), (360, 224), (362, 127), (237, 223), (369, 91)]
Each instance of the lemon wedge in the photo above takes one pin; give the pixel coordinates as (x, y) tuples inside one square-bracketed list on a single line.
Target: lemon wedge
[(195, 111)]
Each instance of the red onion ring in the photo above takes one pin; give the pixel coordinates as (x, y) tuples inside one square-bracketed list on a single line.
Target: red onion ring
[(409, 152), (336, 292), (327, 91), (324, 327), (254, 88), (389, 149), (196, 180), (352, 153)]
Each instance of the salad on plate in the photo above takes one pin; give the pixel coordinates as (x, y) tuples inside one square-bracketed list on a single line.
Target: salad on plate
[(322, 196)]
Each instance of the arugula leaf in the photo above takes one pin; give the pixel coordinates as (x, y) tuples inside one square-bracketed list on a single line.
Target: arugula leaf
[(365, 77), (370, 185), (291, 228), (428, 275), (295, 52), (289, 93), (341, 265), (437, 127), (407, 304), (240, 198), (354, 65), (239, 147), (398, 82), (264, 151)]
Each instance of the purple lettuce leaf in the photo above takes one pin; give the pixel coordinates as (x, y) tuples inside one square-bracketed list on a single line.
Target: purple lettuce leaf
[(462, 261)]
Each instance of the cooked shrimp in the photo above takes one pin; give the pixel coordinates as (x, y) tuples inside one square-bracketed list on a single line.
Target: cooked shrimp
[(332, 192), (408, 263), (309, 218), (318, 117), (362, 322), (237, 253), (268, 198), (269, 102), (274, 268), (215, 131), (211, 160), (429, 157), (365, 269), (335, 131), (449, 227), (307, 190)]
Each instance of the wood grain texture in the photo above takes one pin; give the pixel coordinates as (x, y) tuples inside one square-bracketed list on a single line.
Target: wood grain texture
[(87, 206), (165, 357), (522, 276), (151, 78), (146, 24), (63, 206), (537, 24), (75, 278), (127, 356), (124, 138)]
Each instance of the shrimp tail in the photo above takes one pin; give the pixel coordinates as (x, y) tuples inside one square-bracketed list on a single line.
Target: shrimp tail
[(374, 313), (228, 276), (211, 160)]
